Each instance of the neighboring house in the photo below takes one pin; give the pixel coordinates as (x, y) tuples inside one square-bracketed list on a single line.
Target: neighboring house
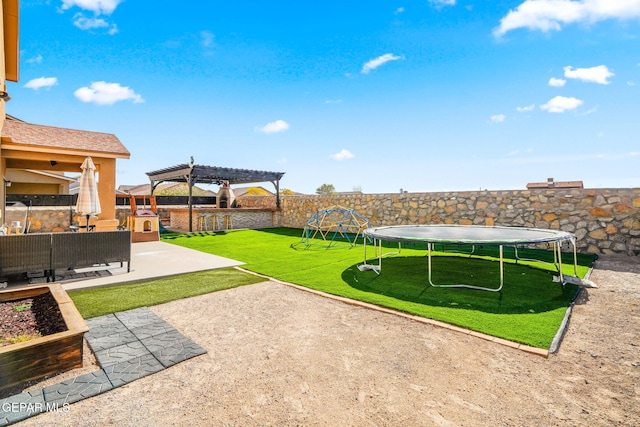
[(135, 190), (555, 184), (251, 191), (168, 189)]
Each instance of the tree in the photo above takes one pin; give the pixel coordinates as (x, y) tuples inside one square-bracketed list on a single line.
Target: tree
[(326, 190)]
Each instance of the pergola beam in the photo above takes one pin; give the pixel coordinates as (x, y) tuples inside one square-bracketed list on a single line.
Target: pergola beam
[(193, 174)]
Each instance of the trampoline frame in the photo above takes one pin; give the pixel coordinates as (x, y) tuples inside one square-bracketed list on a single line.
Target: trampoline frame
[(555, 237)]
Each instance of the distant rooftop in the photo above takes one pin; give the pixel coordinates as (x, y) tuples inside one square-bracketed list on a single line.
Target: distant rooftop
[(555, 184)]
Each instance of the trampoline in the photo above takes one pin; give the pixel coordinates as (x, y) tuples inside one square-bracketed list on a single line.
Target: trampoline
[(472, 235)]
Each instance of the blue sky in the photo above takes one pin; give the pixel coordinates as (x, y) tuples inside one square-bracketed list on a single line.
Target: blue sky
[(423, 95)]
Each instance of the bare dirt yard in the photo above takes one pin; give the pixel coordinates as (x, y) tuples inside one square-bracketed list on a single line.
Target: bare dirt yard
[(284, 357)]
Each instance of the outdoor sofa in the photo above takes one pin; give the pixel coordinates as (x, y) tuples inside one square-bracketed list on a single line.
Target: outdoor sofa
[(24, 253)]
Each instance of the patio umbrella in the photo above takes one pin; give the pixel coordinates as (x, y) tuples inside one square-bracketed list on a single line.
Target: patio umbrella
[(88, 203)]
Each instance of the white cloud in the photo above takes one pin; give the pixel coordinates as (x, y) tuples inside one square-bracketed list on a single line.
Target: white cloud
[(526, 108), (342, 155), (35, 60), (103, 93), (41, 82), (598, 74), (380, 60), (548, 15), (399, 10), (99, 7), (206, 38), (442, 3), (557, 82), (498, 118), (274, 127), (560, 104), (333, 101), (85, 23)]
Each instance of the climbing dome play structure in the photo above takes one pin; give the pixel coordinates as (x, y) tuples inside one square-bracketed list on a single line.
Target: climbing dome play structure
[(334, 224)]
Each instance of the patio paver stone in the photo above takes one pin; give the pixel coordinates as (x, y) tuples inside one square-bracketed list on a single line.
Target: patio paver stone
[(128, 345)]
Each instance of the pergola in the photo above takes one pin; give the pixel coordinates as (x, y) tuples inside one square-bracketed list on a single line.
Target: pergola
[(193, 174)]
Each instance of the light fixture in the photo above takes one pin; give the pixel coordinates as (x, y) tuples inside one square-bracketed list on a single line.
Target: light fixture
[(4, 96), (53, 162)]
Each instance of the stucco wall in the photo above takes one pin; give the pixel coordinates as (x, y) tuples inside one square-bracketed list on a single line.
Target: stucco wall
[(603, 220)]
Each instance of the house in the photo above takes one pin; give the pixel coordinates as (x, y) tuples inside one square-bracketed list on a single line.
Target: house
[(554, 184), (53, 151), (28, 181)]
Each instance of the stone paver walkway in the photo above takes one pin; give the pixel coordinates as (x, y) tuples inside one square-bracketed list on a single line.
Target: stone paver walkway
[(128, 345)]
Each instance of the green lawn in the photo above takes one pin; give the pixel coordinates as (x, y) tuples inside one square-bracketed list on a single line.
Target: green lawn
[(529, 309), (95, 302)]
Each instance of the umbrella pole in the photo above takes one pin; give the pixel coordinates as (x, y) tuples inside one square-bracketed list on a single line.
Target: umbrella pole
[(87, 223)]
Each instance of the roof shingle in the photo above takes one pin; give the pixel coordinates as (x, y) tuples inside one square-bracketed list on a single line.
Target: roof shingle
[(20, 132)]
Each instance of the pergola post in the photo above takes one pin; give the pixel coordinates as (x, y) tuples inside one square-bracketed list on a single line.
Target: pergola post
[(277, 185), (190, 184)]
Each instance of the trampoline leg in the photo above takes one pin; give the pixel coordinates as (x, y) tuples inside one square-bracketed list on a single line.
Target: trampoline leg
[(364, 266), (559, 252), (575, 258), (501, 269), (463, 285)]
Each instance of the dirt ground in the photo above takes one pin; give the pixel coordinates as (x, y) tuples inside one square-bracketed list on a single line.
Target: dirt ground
[(283, 357)]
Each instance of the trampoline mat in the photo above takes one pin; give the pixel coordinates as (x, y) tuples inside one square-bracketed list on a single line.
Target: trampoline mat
[(467, 234)]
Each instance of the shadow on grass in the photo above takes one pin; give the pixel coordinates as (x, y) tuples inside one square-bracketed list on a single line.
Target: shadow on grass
[(174, 235), (526, 290)]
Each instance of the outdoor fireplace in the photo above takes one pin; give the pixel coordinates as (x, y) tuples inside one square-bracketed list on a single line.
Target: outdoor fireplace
[(226, 198)]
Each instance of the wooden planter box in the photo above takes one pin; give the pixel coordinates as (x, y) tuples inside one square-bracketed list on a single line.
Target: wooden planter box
[(47, 355)]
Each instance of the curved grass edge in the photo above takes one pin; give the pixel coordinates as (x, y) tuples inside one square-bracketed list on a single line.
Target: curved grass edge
[(94, 302)]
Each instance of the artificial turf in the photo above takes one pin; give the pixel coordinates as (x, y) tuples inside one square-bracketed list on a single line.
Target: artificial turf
[(93, 302), (528, 310)]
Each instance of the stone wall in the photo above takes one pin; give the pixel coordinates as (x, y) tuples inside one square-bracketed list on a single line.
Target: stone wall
[(603, 220), (45, 219)]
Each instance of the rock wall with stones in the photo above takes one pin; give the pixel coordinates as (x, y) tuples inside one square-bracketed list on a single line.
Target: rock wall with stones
[(603, 220)]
